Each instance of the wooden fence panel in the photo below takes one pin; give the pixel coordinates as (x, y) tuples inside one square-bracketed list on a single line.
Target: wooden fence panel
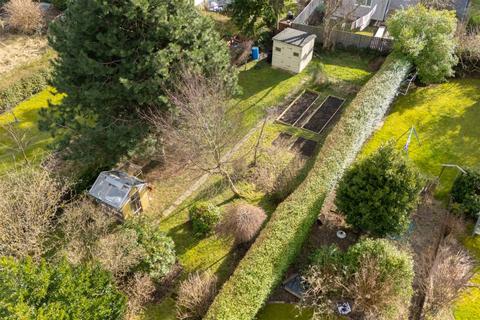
[(348, 39)]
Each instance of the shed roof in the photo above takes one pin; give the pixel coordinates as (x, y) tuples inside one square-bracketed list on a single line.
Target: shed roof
[(294, 37), (113, 188)]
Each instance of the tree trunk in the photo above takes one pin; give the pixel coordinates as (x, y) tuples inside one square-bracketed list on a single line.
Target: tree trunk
[(232, 186), (259, 140)]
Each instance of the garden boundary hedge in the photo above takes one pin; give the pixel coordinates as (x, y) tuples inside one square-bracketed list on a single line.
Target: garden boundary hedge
[(23, 82), (280, 241)]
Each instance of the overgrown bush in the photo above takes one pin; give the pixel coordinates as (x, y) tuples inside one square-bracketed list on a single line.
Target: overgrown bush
[(21, 83), (195, 295), (243, 221), (426, 37), (159, 248), (279, 242), (374, 274), (377, 194), (61, 291), (466, 193), (119, 252), (204, 217), (24, 16)]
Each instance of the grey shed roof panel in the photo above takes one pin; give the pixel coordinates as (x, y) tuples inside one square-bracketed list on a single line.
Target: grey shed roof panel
[(294, 37), (113, 188)]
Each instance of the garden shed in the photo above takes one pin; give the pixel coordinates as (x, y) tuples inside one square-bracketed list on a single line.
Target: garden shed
[(292, 50), (127, 195)]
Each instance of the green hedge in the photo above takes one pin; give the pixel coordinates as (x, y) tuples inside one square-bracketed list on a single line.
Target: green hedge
[(280, 241), (23, 82)]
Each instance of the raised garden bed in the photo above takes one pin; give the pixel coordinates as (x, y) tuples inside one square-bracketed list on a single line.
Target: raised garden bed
[(324, 114), (298, 107)]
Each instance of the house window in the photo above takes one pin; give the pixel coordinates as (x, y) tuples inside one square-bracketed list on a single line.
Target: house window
[(295, 54), (366, 3), (278, 49)]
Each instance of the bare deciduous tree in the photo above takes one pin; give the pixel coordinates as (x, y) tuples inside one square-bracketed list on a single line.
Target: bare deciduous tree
[(19, 141), (202, 128), (335, 13), (29, 199)]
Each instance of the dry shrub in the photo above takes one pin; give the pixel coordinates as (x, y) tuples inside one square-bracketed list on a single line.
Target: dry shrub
[(29, 200), (195, 295), (119, 252), (24, 16), (374, 297), (243, 221), (82, 224), (140, 290), (322, 286), (468, 49), (451, 270)]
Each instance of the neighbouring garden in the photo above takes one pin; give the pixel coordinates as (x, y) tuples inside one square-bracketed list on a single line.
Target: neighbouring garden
[(341, 75), (445, 117)]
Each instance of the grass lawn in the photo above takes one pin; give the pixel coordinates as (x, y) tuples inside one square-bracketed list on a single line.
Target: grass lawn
[(261, 87), (446, 117), (283, 311), (26, 128)]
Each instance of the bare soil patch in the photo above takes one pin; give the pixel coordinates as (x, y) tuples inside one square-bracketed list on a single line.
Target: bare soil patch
[(324, 114), (17, 49)]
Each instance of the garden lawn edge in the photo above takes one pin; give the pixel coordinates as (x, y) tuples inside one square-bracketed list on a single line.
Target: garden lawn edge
[(262, 268)]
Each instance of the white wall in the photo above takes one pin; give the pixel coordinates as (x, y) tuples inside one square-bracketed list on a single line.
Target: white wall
[(307, 54), (291, 58), (199, 2)]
